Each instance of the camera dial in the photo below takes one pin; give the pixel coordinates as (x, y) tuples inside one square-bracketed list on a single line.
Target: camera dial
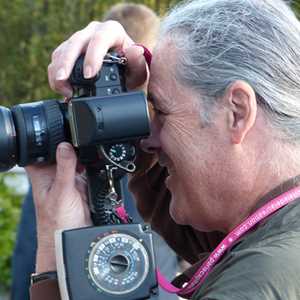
[(117, 263), (121, 151), (117, 152)]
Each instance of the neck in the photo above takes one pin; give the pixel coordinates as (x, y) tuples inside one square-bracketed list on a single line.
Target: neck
[(258, 190)]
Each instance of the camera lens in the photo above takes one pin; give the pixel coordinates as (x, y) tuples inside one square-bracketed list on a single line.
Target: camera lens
[(40, 128), (8, 153), (30, 133)]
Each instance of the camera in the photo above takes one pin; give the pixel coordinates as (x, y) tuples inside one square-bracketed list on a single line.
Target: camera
[(102, 114), (114, 259)]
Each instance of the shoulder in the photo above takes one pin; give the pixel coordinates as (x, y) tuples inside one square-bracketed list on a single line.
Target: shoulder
[(265, 265)]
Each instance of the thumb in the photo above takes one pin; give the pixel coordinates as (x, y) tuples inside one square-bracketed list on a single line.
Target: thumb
[(66, 161)]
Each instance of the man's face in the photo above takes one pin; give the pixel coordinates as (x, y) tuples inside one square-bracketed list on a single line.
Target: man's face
[(191, 152)]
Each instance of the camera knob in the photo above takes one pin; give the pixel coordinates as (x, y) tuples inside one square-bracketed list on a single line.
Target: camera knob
[(113, 77)]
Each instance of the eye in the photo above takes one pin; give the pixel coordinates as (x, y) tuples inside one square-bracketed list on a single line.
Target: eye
[(153, 107), (158, 112)]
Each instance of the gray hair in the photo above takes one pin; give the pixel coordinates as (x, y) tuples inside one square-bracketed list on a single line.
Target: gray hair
[(257, 41)]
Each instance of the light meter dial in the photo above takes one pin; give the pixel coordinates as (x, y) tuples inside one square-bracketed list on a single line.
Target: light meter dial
[(117, 263)]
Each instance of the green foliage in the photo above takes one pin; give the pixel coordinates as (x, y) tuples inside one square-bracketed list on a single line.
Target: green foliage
[(296, 7), (10, 203)]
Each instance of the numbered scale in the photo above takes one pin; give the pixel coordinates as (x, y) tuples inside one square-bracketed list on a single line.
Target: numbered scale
[(117, 263)]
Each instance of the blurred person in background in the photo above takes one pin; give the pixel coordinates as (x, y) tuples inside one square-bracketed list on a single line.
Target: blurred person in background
[(142, 25)]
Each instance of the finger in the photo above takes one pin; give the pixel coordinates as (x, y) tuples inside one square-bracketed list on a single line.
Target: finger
[(110, 34), (41, 177), (136, 70), (57, 51), (65, 169), (61, 86), (64, 58), (81, 185)]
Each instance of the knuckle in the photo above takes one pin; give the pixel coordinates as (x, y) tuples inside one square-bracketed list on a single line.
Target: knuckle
[(115, 24), (51, 76), (50, 69), (55, 53), (67, 60), (56, 85), (96, 37), (94, 24), (75, 37)]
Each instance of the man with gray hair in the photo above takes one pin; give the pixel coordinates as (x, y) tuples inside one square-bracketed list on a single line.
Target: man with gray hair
[(221, 167)]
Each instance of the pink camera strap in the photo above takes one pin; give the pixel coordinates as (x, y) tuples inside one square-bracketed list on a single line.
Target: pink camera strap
[(188, 288), (203, 271)]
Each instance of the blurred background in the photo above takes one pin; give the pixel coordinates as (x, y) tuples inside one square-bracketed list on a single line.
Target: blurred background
[(29, 32)]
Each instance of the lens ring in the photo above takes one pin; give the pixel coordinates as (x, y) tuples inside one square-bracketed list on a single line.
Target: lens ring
[(55, 124), (8, 143)]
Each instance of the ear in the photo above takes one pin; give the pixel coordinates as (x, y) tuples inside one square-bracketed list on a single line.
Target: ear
[(241, 102)]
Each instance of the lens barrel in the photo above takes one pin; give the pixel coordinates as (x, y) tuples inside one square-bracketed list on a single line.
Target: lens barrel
[(30, 133), (8, 143), (40, 128)]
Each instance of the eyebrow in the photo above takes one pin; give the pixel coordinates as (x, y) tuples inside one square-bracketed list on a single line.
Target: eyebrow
[(153, 99)]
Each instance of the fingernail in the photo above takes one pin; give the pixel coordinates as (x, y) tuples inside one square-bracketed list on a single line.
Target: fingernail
[(87, 72), (65, 150), (61, 74)]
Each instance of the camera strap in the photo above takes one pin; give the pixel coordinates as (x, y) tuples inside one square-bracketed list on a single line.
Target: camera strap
[(262, 213), (147, 54), (122, 214)]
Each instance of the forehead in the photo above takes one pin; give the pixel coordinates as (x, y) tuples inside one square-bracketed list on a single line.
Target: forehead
[(165, 90), (164, 55), (162, 71)]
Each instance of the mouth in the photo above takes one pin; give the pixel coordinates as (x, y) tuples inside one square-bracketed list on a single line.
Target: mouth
[(167, 180), (162, 163), (163, 160)]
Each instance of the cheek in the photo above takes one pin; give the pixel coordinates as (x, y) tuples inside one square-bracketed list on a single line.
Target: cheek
[(176, 136), (178, 204)]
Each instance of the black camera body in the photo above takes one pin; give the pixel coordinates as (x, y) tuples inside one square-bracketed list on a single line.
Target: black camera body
[(102, 114), (111, 260)]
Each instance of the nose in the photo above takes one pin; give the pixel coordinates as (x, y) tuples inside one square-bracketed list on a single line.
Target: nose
[(152, 143)]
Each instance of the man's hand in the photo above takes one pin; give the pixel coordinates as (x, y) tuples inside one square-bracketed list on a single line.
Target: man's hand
[(95, 41), (60, 201)]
